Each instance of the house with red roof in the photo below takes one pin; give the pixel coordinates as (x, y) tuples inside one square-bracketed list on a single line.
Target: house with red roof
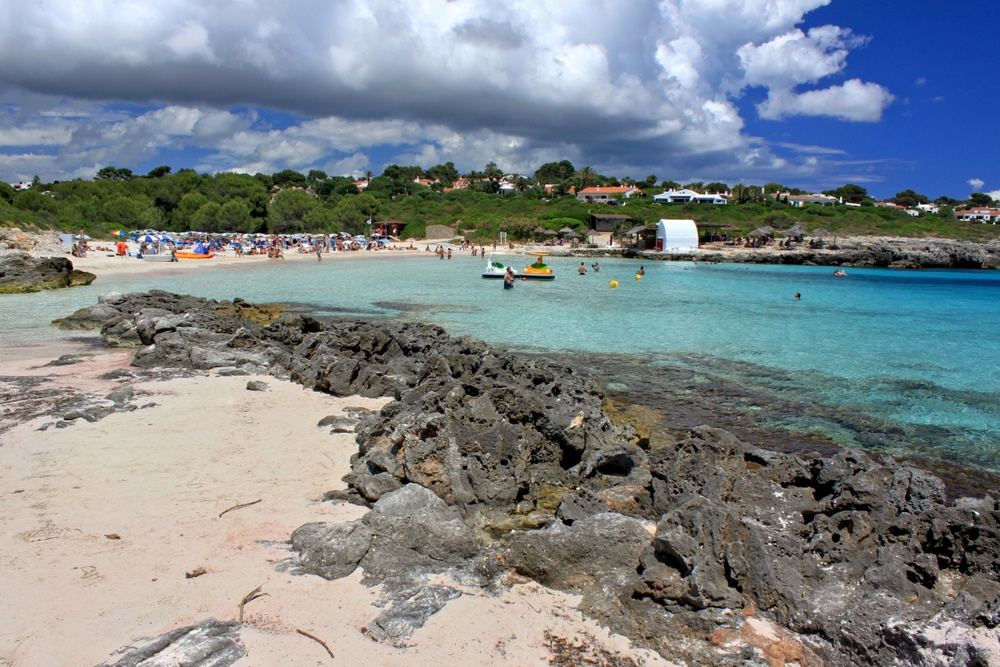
[(980, 214), (602, 194)]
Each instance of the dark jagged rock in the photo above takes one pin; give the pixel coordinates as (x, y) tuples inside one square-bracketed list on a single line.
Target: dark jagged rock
[(20, 272), (857, 251), (864, 557), (210, 643)]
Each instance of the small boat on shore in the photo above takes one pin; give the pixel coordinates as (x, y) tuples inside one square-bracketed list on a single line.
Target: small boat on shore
[(162, 254)]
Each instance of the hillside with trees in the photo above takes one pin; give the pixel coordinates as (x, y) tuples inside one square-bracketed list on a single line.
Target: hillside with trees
[(487, 203)]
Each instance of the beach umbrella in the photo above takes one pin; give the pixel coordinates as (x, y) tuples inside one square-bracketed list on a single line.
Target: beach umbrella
[(118, 232), (538, 230), (565, 230), (573, 235), (550, 232), (148, 239), (820, 233)]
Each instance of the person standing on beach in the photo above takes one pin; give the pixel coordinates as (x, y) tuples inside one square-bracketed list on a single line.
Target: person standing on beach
[(319, 252)]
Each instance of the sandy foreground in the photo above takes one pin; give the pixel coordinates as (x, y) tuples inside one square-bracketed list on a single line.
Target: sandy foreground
[(101, 523)]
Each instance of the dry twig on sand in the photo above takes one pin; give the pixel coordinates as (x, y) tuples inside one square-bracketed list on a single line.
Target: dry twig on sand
[(583, 651), (318, 640), (250, 597), (237, 507)]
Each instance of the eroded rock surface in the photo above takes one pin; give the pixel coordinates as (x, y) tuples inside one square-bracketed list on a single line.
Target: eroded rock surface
[(487, 463), (20, 272)]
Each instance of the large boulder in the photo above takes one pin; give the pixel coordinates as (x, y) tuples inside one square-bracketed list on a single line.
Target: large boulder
[(20, 272)]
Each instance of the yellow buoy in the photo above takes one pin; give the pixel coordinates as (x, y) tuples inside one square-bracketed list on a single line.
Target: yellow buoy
[(638, 276), (614, 283)]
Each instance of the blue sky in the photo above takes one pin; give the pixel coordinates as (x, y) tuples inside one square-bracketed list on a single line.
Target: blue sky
[(809, 93)]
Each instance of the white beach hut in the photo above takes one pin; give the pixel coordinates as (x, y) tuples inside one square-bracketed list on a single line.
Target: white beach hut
[(676, 236)]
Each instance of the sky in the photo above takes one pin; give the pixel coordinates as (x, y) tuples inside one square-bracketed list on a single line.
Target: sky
[(813, 94)]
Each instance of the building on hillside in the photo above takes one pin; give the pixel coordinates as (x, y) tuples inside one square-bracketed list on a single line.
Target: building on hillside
[(889, 204), (361, 184), (685, 196), (600, 222), (928, 208), (979, 214), (602, 194), (388, 227), (798, 201)]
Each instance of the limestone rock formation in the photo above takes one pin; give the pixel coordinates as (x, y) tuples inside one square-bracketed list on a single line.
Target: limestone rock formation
[(20, 272), (487, 463)]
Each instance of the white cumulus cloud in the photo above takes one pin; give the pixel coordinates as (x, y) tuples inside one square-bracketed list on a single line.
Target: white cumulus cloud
[(976, 184), (853, 101), (650, 86)]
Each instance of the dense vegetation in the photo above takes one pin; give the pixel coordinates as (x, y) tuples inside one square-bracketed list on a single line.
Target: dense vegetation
[(291, 202)]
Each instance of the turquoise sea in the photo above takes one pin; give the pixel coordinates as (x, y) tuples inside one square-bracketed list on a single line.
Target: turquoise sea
[(897, 361)]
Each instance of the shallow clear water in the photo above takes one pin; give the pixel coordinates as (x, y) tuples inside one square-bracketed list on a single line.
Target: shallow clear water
[(916, 349)]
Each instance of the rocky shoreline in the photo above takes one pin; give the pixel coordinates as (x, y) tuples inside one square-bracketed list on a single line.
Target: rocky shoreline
[(21, 273), (488, 466), (854, 251)]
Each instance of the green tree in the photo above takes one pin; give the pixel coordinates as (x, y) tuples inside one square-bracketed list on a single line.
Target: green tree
[(554, 172), (7, 192), (289, 178), (981, 199), (444, 172), (587, 175), (772, 188), (909, 198), (206, 218), (670, 185), (286, 213), (188, 206), (850, 192), (493, 175), (716, 187), (747, 194), (31, 200), (130, 212), (316, 176), (227, 186), (320, 219), (234, 216), (114, 174), (352, 213), (159, 172)]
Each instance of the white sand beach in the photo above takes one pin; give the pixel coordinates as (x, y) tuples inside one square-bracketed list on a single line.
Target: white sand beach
[(104, 523)]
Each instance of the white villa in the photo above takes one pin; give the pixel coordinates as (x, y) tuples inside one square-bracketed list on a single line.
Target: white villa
[(979, 214), (685, 195)]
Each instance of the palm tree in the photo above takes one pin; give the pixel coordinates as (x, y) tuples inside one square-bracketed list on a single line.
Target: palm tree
[(586, 174)]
